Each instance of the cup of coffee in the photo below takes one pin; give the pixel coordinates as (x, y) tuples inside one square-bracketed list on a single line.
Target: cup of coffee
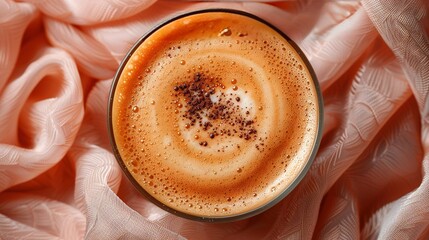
[(215, 115)]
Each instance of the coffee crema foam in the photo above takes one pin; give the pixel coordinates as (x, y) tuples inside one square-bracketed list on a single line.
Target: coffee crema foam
[(215, 114)]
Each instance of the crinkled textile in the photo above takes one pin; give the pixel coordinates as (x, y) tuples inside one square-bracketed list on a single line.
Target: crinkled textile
[(59, 179)]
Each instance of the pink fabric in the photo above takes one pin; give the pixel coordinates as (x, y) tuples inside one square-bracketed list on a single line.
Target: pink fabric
[(59, 179)]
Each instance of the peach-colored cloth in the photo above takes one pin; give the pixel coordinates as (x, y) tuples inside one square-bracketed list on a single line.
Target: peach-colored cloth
[(59, 179)]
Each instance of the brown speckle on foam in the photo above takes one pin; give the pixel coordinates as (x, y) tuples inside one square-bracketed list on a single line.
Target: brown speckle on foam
[(220, 118)]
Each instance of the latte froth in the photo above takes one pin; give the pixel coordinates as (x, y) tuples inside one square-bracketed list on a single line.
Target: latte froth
[(215, 114)]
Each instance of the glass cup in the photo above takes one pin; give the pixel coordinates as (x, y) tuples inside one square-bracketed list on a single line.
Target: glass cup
[(215, 217)]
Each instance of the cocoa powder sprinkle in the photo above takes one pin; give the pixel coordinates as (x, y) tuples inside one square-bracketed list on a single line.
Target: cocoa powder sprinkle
[(222, 117)]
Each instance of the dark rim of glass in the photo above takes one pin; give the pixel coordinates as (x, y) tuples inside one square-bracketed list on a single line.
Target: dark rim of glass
[(229, 218)]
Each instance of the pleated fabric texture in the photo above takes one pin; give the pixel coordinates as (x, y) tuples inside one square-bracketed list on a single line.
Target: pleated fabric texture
[(60, 180)]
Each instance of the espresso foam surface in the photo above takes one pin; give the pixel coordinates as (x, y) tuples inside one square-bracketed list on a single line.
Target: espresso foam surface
[(215, 114)]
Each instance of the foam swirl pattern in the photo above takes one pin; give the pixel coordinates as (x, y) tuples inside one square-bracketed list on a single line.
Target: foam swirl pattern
[(215, 114)]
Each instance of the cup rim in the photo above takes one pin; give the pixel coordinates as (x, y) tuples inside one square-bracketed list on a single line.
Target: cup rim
[(239, 216)]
